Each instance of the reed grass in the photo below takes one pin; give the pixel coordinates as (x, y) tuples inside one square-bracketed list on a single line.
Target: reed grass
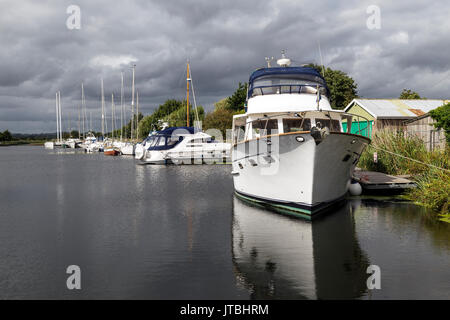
[(433, 184)]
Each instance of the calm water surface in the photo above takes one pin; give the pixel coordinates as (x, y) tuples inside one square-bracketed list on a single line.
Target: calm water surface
[(177, 232)]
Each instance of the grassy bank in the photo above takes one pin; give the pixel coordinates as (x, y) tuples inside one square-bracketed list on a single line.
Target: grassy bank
[(433, 185), (21, 142)]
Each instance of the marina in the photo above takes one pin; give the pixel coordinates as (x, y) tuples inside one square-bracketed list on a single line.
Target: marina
[(203, 153), (178, 232)]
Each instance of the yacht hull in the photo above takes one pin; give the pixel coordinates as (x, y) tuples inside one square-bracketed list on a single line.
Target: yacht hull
[(111, 152), (127, 149), (295, 174), (139, 151)]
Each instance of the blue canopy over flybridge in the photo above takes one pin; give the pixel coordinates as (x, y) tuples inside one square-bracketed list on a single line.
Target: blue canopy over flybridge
[(285, 70), (293, 77), (170, 130)]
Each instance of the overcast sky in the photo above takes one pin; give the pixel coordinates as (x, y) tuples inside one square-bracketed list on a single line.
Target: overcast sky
[(224, 41)]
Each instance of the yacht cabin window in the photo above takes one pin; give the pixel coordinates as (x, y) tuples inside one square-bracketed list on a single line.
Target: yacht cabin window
[(161, 141), (331, 124), (173, 140), (298, 124), (153, 141), (239, 134), (264, 127)]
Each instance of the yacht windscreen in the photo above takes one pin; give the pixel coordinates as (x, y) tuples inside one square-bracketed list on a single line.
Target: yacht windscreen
[(333, 125), (294, 125), (265, 127)]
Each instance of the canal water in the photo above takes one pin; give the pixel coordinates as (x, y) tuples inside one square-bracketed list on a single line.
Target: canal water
[(178, 232)]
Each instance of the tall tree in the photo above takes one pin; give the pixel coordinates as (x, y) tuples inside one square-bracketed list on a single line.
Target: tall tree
[(343, 89), (221, 119), (409, 94), (6, 136), (237, 100)]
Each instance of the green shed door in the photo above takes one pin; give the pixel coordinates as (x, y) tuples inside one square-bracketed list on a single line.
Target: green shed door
[(363, 128)]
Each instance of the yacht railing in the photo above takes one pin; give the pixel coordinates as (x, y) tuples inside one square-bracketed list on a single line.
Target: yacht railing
[(288, 88), (359, 125)]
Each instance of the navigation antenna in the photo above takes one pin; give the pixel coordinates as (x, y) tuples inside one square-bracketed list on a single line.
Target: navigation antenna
[(268, 61), (284, 62), (321, 60)]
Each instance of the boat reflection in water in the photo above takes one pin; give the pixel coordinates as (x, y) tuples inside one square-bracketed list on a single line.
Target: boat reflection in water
[(278, 257)]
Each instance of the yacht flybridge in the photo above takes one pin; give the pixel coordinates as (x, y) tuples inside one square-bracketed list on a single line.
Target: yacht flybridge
[(291, 151)]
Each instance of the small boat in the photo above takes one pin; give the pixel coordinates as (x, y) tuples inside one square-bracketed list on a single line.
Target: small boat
[(291, 150), (49, 145), (111, 151), (127, 148), (73, 143)]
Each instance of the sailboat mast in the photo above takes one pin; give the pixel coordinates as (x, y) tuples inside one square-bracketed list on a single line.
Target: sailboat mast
[(83, 111), (112, 116), (60, 117), (103, 110), (132, 103), (137, 114), (187, 95), (121, 108), (79, 119), (57, 117)]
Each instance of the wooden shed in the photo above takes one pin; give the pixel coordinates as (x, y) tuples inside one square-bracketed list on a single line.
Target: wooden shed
[(392, 113), (423, 128)]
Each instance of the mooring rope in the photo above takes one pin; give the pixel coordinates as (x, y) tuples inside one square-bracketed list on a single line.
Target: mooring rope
[(396, 154)]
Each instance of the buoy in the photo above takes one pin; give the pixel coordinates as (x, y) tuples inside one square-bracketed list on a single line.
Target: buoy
[(354, 188)]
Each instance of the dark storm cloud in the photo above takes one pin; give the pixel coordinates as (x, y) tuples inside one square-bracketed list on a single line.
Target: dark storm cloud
[(224, 41)]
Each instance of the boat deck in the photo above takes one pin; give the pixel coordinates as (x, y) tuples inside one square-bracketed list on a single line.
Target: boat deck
[(377, 181)]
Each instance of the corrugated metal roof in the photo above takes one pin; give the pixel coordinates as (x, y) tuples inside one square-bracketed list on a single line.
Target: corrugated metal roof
[(397, 108)]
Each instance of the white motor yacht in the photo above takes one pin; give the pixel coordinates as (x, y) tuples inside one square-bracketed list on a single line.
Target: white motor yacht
[(184, 145), (291, 151)]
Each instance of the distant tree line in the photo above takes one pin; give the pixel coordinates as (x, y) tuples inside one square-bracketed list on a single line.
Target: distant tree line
[(6, 136)]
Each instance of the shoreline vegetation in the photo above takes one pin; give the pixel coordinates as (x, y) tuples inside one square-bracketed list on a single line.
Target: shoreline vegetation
[(431, 175), (9, 139), (22, 142)]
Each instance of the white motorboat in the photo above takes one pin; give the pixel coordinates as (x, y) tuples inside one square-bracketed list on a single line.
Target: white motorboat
[(73, 143), (290, 150), (184, 145), (141, 147), (127, 148), (139, 150), (90, 143), (94, 147), (49, 145)]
